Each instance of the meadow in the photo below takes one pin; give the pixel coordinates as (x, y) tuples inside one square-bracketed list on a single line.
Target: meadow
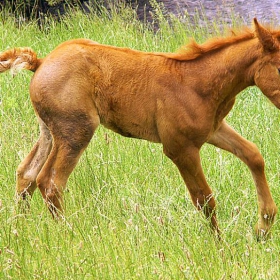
[(128, 214)]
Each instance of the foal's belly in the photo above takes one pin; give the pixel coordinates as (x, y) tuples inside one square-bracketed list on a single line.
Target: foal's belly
[(134, 130)]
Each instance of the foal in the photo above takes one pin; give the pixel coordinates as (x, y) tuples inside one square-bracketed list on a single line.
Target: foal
[(177, 99)]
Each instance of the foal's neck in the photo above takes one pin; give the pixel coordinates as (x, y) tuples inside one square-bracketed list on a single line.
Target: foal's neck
[(233, 68), (225, 73)]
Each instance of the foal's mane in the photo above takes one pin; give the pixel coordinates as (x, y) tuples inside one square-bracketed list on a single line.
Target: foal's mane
[(194, 50)]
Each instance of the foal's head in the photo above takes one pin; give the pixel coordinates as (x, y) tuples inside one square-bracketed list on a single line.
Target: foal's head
[(267, 75)]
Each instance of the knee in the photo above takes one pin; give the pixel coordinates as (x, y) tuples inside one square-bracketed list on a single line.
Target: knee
[(254, 158)]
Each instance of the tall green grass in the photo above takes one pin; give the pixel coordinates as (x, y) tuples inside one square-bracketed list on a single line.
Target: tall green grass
[(128, 214)]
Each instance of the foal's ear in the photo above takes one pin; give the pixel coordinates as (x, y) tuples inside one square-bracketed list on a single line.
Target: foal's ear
[(269, 43)]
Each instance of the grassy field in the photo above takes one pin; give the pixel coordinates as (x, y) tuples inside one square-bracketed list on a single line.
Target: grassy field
[(128, 214)]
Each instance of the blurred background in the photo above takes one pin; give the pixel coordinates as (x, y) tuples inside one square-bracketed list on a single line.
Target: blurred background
[(197, 11)]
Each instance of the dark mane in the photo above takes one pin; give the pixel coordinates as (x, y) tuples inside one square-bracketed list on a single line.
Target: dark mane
[(194, 50)]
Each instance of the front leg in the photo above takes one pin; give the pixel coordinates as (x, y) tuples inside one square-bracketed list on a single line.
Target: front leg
[(228, 139), (187, 159)]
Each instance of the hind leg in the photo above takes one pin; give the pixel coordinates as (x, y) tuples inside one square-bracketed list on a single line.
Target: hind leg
[(70, 138), (30, 167)]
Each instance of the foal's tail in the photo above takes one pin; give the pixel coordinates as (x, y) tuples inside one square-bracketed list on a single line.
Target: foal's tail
[(17, 59)]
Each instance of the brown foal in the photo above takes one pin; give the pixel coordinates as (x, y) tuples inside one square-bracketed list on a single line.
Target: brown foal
[(177, 99)]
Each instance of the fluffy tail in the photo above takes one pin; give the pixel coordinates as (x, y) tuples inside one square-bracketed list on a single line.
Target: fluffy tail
[(17, 59)]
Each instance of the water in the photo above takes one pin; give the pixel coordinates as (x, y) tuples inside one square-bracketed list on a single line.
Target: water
[(266, 11), (224, 11)]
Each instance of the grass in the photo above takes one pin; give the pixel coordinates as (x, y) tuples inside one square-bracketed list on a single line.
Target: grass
[(128, 214)]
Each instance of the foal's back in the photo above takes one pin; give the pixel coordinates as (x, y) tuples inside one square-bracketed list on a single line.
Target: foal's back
[(130, 91)]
